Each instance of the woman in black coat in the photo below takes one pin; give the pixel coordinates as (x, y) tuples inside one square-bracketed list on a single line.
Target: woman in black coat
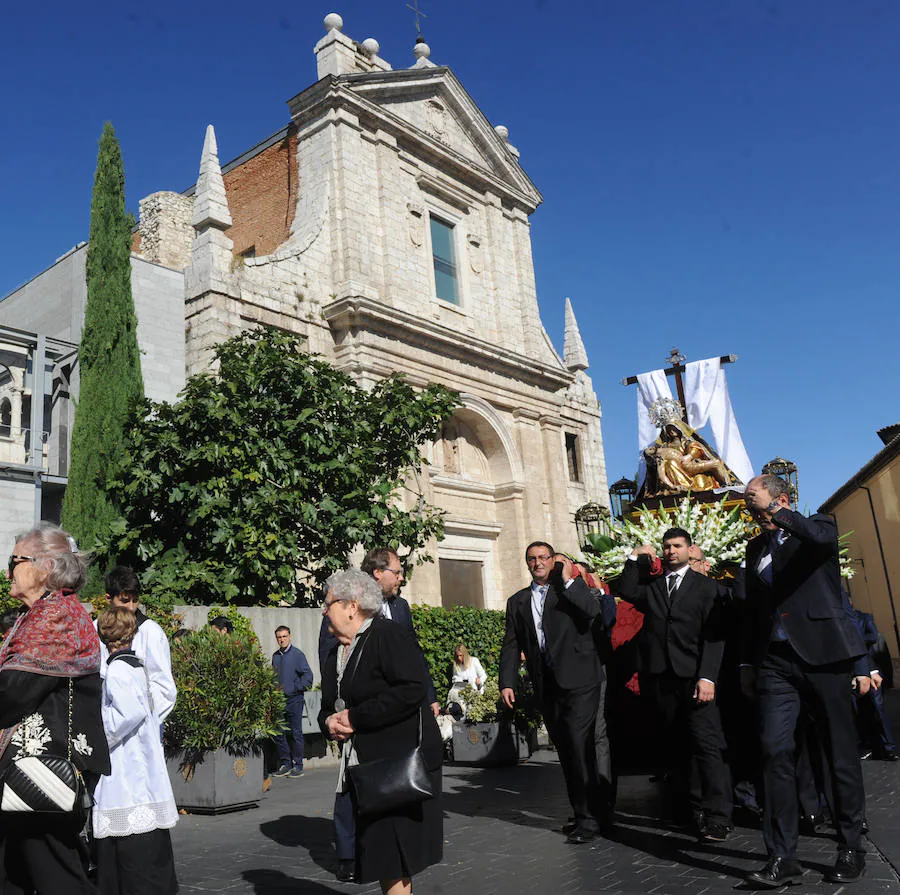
[(49, 705), (373, 703)]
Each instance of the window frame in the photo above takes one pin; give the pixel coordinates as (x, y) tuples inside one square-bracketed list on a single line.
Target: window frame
[(452, 222)]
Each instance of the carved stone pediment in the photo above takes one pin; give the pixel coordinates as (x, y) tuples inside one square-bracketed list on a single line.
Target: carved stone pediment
[(432, 105)]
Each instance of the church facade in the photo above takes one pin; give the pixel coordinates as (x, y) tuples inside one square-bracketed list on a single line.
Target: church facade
[(388, 226)]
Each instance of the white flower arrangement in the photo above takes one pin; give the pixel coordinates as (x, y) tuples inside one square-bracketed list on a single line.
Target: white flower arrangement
[(721, 533)]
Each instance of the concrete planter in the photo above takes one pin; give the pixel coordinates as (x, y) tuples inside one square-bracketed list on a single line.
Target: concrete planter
[(218, 783), (488, 743)]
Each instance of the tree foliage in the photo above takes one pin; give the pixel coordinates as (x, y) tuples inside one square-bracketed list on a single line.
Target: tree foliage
[(276, 464), (108, 356)]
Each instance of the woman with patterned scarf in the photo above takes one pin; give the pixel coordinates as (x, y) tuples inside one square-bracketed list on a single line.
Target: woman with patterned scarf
[(52, 643)]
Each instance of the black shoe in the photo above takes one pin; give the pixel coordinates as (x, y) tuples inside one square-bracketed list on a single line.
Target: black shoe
[(890, 755), (848, 868), (568, 826), (864, 826), (346, 872), (715, 831), (777, 873), (580, 835)]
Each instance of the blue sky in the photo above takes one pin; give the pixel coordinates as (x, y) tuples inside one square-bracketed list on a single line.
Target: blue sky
[(720, 175)]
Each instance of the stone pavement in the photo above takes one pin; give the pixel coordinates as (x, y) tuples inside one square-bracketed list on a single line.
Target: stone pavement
[(502, 834)]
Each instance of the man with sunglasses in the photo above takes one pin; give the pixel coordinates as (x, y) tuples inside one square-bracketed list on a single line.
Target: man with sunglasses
[(150, 644)]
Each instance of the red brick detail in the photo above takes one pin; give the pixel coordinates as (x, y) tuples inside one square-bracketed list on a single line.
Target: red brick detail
[(262, 195), (136, 242)]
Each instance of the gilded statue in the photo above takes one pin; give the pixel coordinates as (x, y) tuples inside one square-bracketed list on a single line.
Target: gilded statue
[(680, 460)]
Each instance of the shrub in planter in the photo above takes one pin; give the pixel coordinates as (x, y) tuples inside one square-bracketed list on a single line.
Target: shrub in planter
[(228, 696), (490, 734)]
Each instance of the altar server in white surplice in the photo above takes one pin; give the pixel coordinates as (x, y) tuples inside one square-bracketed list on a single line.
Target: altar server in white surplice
[(134, 807), (151, 646)]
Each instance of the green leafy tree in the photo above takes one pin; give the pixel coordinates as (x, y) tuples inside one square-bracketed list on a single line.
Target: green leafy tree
[(108, 356), (256, 485)]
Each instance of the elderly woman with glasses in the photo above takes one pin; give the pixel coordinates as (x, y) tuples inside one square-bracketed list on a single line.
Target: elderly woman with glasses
[(49, 705), (373, 703)]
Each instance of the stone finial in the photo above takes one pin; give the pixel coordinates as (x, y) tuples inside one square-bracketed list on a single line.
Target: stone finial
[(210, 200), (502, 132), (333, 22), (422, 52), (370, 47), (574, 354)]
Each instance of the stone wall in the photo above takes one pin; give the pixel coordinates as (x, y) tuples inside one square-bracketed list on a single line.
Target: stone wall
[(17, 500), (164, 230)]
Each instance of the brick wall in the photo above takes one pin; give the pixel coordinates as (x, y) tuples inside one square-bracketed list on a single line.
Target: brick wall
[(262, 194)]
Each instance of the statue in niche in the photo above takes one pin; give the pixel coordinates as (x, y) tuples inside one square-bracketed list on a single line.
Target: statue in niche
[(450, 445), (680, 461)]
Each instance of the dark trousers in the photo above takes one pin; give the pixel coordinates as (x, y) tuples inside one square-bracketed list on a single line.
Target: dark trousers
[(344, 827), (786, 685), (603, 755), (292, 754), (142, 864), (570, 716), (46, 864), (692, 732), (874, 730)]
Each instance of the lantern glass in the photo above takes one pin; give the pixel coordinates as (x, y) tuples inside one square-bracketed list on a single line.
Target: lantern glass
[(787, 470), (621, 496)]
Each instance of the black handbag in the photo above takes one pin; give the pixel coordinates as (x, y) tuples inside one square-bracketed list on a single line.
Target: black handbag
[(46, 785), (388, 783)]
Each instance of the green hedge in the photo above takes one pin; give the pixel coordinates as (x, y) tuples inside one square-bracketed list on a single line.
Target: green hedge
[(439, 631)]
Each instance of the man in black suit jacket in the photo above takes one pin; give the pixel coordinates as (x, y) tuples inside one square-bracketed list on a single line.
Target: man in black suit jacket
[(681, 652), (800, 647), (553, 623)]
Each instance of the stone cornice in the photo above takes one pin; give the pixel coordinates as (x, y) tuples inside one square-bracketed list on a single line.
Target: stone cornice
[(361, 313), (348, 91)]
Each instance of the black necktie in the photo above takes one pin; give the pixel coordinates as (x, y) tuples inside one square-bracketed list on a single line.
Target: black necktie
[(672, 585)]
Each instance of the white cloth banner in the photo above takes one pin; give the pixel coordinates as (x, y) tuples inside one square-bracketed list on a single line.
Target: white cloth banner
[(650, 387), (706, 393)]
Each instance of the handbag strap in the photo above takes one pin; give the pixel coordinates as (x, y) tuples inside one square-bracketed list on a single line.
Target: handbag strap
[(69, 728)]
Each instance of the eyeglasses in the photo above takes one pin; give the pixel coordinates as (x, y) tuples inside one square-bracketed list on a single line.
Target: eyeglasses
[(397, 572), (531, 560), (326, 606), (17, 558)]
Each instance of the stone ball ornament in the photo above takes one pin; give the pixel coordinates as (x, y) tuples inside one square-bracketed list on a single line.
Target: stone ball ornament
[(370, 46), (421, 50)]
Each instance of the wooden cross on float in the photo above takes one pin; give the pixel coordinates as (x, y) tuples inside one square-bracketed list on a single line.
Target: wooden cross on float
[(676, 369)]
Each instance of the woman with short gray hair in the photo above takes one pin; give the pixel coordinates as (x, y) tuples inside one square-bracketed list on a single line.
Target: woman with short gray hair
[(374, 687), (49, 704)]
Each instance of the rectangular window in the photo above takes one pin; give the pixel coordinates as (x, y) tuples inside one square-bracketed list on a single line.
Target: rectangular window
[(572, 457), (446, 286)]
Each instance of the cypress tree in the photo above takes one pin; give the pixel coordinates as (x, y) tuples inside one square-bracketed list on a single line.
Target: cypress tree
[(108, 355)]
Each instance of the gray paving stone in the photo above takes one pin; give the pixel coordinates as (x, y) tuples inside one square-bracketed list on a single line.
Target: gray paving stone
[(502, 835)]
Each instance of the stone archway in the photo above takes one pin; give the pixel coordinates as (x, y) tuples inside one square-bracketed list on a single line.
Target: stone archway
[(476, 477)]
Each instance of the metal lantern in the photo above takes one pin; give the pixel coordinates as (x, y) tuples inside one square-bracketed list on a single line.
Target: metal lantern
[(621, 496), (787, 470), (591, 518)]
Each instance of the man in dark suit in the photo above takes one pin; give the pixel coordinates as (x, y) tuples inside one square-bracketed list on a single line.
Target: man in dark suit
[(681, 652), (553, 622), (799, 651)]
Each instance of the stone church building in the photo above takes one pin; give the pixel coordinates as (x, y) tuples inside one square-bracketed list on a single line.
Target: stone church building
[(388, 225)]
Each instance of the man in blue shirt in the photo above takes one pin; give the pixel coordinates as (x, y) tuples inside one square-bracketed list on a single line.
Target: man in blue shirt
[(295, 677)]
